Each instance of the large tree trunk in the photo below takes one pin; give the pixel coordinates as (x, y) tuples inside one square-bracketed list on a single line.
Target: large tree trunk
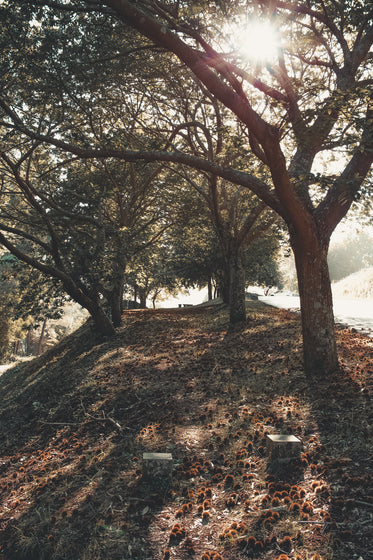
[(237, 301), (116, 307), (319, 344), (92, 305), (101, 320)]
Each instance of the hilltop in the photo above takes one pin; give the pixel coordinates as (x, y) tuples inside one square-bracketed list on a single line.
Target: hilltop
[(76, 421)]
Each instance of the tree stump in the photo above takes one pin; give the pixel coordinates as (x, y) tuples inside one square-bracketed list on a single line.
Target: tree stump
[(283, 448), (157, 466)]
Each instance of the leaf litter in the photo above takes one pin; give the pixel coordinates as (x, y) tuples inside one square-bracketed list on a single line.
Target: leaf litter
[(76, 421)]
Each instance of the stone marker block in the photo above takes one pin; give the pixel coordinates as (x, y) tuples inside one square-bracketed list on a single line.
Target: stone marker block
[(157, 466), (283, 447)]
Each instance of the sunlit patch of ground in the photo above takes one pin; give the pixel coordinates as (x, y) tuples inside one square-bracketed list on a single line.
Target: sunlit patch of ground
[(5, 367)]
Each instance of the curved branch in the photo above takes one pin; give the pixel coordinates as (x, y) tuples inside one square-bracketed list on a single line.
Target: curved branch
[(45, 268), (344, 189), (249, 222), (294, 113), (28, 192), (199, 63), (188, 125), (25, 235), (258, 187)]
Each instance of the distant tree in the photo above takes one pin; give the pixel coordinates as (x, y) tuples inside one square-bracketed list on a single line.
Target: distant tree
[(193, 249), (198, 257), (237, 216), (261, 261), (149, 275), (28, 298), (351, 255), (82, 223)]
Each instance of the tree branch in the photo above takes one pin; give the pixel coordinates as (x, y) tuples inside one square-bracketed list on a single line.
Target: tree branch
[(344, 189), (25, 235), (259, 188)]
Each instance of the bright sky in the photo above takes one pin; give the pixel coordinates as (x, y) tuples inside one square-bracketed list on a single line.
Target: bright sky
[(257, 40)]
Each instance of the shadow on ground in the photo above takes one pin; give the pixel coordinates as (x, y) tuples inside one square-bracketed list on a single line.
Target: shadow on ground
[(75, 422)]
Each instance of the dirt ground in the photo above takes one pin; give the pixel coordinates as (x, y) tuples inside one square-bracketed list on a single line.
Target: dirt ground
[(75, 422)]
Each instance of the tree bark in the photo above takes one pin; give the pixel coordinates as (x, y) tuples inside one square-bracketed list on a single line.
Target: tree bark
[(142, 297), (223, 285), (29, 341), (116, 307), (117, 280), (316, 302), (237, 302), (101, 320), (41, 338), (92, 305), (209, 289), (116, 294)]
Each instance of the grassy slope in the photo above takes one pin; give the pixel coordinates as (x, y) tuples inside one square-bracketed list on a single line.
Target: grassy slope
[(357, 285), (75, 422)]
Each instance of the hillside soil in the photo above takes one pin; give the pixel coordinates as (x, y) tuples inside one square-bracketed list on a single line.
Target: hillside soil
[(75, 422)]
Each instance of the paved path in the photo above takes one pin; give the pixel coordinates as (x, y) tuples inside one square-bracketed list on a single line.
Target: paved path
[(356, 313), (4, 367)]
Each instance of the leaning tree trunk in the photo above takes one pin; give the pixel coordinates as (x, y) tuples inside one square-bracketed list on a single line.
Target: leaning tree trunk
[(237, 301), (100, 319), (316, 302), (92, 305)]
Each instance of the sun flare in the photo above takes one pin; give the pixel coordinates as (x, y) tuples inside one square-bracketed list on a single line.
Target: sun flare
[(257, 41)]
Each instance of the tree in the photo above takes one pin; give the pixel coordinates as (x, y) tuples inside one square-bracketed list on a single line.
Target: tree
[(238, 216), (333, 57), (350, 255), (82, 226), (150, 275), (39, 232), (195, 259), (199, 257), (238, 220), (28, 299), (315, 99), (106, 207)]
